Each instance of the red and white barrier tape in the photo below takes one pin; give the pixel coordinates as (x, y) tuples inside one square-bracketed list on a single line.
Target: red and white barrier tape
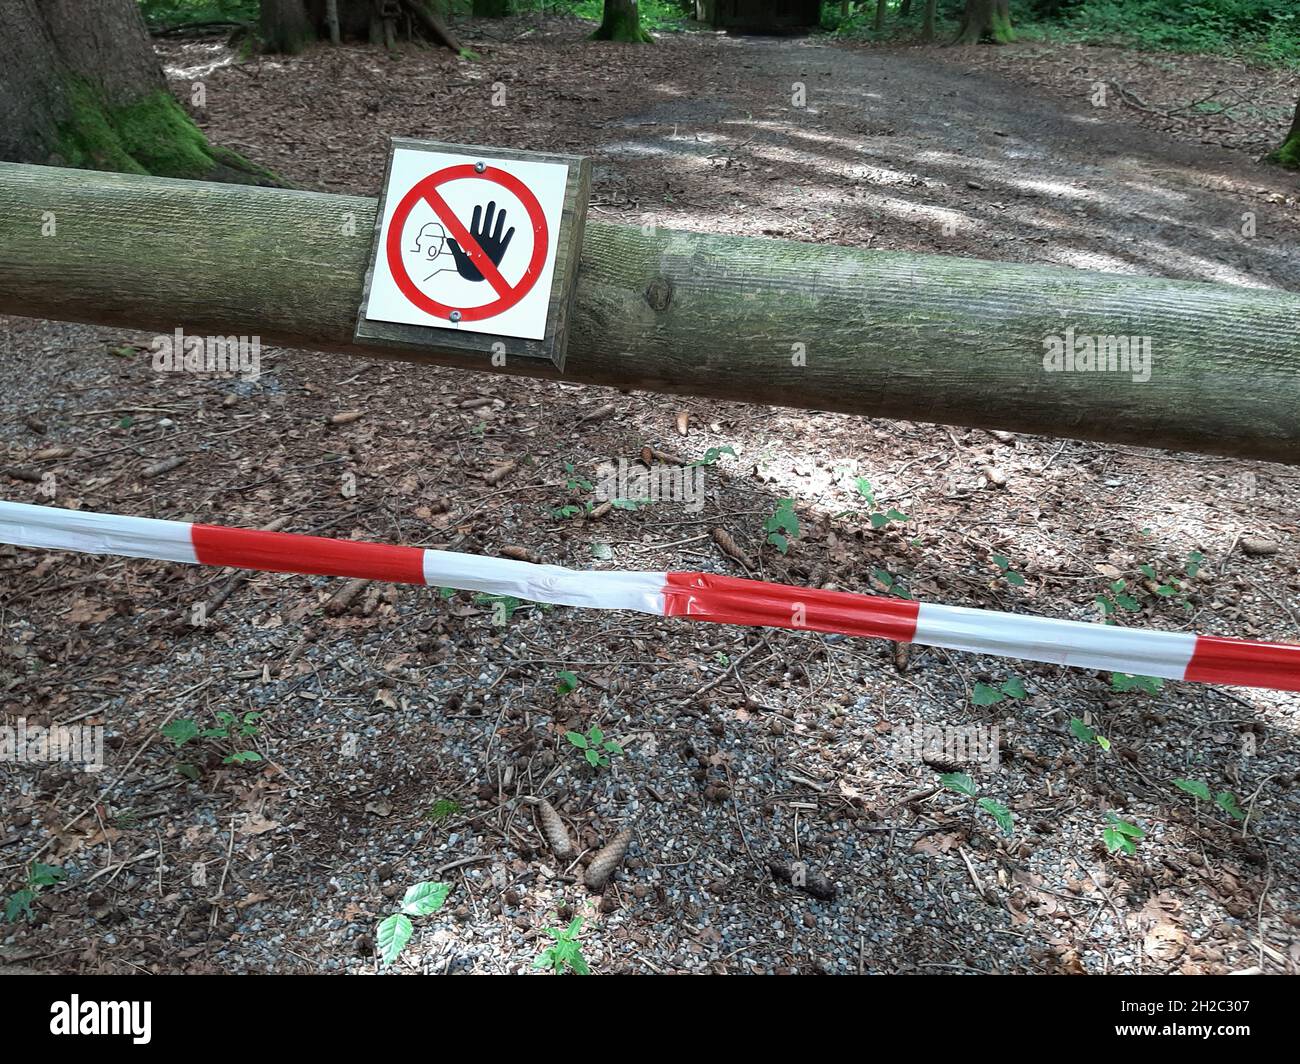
[(701, 596)]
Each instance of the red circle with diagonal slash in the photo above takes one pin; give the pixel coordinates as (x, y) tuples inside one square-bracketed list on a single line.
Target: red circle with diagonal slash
[(427, 189)]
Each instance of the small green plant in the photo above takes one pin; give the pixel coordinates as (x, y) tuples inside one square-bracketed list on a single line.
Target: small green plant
[(570, 510), (711, 457), (1200, 790), (629, 504), (442, 811), (963, 784), (574, 482), (1125, 681), (1008, 574), (229, 728), (1117, 598), (987, 695), (1086, 734), (890, 583), (594, 746), (566, 953), (1121, 835), (568, 682), (395, 932), (877, 518), (504, 607), (39, 876), (782, 526)]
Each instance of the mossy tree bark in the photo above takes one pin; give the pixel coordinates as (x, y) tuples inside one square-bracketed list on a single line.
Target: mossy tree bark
[(80, 85), (1289, 153), (622, 22), (986, 20)]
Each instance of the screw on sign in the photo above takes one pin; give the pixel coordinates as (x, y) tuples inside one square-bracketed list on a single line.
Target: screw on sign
[(477, 250)]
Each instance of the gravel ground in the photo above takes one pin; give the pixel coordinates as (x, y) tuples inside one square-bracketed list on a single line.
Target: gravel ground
[(403, 732)]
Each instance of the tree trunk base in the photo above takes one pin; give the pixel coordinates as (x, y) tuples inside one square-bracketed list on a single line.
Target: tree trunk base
[(154, 135), (619, 27), (1289, 154), (997, 30)]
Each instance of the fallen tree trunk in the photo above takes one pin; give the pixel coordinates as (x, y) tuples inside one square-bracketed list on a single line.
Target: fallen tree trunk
[(920, 337)]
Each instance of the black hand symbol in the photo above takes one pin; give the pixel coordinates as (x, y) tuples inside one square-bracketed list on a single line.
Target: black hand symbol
[(493, 244)]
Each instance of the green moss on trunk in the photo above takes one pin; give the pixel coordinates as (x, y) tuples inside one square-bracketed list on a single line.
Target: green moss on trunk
[(153, 135), (622, 25), (1289, 154), (1000, 30)]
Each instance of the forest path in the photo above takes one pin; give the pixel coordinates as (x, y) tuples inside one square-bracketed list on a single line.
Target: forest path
[(921, 152)]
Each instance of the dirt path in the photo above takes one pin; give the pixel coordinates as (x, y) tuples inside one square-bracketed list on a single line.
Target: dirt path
[(401, 733)]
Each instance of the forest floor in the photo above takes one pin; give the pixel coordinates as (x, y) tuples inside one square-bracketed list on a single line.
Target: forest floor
[(401, 732)]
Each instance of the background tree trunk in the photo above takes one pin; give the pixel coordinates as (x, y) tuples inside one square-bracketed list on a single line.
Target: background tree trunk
[(1289, 153), (986, 20), (80, 85), (289, 25), (284, 26), (878, 23), (622, 22), (492, 8), (905, 8), (927, 20)]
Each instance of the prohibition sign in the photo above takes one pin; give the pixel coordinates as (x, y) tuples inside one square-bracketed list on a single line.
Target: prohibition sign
[(427, 190)]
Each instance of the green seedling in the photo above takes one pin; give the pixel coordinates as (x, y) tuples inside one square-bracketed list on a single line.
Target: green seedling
[(1124, 681), (39, 876), (395, 932), (1085, 734), (1121, 835), (782, 526), (964, 785), (1225, 800), (877, 518), (711, 457), (229, 728), (568, 682), (987, 695), (566, 953), (1008, 574), (594, 746)]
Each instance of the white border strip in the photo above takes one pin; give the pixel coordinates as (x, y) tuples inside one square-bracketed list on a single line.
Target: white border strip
[(640, 591), (91, 533), (1074, 643)]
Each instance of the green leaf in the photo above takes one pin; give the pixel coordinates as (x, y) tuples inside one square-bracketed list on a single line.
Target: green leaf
[(895, 515), (1002, 562), (779, 542), (984, 695), (1148, 572), (883, 577), (19, 904), (1128, 602), (44, 875), (1123, 681), (394, 933), (1014, 687), (1196, 788), (188, 771), (613, 747), (998, 812), (1107, 607), (575, 926), (244, 757), (595, 736), (1103, 742), (1116, 841), (1081, 731), (568, 682), (592, 757), (1194, 560), (1015, 580), (959, 782), (577, 738), (425, 898), (180, 731), (864, 489), (879, 520), (1225, 801), (1125, 828)]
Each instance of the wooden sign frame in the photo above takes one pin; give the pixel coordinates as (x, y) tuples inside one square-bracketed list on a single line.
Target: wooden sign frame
[(559, 312)]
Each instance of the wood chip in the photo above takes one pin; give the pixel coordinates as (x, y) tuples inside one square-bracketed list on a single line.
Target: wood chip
[(165, 466), (346, 417), (495, 476)]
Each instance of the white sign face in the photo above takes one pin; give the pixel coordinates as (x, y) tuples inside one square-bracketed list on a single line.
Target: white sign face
[(468, 243)]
